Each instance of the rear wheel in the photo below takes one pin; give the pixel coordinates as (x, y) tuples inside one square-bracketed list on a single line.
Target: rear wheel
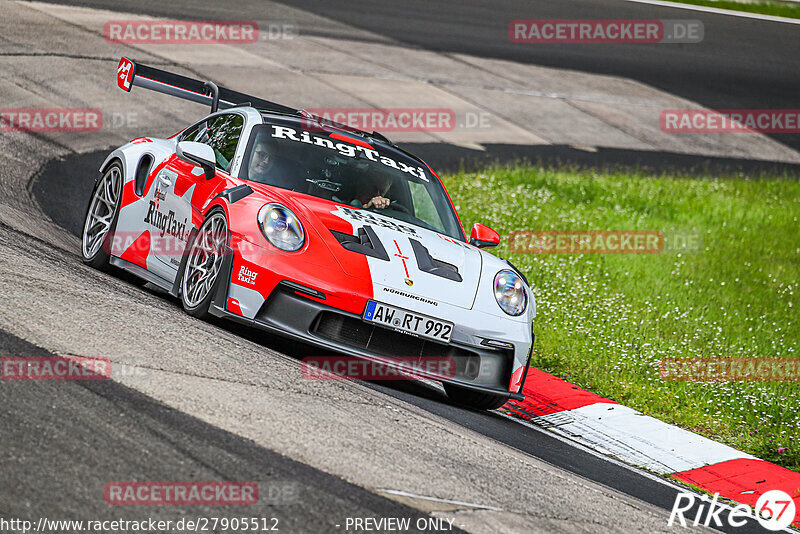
[(474, 399), (101, 218), (203, 264)]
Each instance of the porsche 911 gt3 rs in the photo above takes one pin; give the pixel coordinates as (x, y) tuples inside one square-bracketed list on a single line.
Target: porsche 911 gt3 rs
[(285, 222)]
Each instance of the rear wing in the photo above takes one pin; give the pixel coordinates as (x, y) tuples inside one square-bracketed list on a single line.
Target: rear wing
[(208, 93), (161, 81)]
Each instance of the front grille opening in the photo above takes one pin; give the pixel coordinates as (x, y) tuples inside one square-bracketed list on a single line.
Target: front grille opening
[(357, 334)]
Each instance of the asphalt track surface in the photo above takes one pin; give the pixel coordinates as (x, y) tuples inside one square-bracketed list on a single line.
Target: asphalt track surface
[(741, 63), (68, 448), (721, 73), (68, 211)]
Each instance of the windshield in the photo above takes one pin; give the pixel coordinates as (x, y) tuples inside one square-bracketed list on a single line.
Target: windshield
[(347, 169)]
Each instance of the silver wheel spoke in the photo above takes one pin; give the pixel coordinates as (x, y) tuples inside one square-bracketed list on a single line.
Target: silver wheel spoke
[(94, 225), (101, 212), (109, 196), (94, 241), (204, 261), (105, 220)]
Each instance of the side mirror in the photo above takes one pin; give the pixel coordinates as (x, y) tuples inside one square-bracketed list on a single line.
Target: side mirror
[(482, 236), (198, 154)]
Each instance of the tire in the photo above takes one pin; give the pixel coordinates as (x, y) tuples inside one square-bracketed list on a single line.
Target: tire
[(101, 218), (204, 259), (474, 399)]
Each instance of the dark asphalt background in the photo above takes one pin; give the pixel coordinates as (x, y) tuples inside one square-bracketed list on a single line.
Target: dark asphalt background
[(58, 454), (741, 63)]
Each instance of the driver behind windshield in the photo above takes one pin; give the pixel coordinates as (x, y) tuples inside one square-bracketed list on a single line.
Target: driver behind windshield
[(371, 192)]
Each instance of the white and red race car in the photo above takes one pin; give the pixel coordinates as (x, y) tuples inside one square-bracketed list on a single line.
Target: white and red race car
[(277, 219)]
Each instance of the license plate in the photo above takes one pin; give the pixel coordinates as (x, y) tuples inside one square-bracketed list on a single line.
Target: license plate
[(407, 322)]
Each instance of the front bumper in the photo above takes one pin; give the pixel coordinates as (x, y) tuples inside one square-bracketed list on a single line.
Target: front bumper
[(288, 313)]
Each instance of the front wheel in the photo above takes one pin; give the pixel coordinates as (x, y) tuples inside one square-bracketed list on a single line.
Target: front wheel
[(101, 217), (203, 264), (474, 399)]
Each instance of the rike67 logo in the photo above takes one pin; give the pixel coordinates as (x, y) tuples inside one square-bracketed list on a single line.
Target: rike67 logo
[(775, 510)]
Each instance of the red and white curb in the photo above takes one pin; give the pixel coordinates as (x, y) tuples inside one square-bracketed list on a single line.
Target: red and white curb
[(639, 440)]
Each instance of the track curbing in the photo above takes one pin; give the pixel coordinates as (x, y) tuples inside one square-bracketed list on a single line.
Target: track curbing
[(643, 441)]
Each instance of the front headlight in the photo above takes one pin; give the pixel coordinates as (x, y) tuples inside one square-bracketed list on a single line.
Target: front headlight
[(509, 291), (281, 227)]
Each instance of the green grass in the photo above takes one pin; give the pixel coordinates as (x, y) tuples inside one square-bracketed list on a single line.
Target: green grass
[(605, 321), (776, 9)]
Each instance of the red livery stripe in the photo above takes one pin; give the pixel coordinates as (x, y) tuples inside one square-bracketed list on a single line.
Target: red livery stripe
[(139, 250), (233, 306), (348, 139)]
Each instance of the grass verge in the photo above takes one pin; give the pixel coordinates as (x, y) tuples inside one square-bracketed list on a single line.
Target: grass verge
[(606, 321)]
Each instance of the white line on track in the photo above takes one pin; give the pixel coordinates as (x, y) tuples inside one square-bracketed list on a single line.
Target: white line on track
[(717, 11), (434, 499)]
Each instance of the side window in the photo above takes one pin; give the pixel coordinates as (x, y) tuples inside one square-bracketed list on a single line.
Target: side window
[(423, 205), (190, 134), (223, 135)]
